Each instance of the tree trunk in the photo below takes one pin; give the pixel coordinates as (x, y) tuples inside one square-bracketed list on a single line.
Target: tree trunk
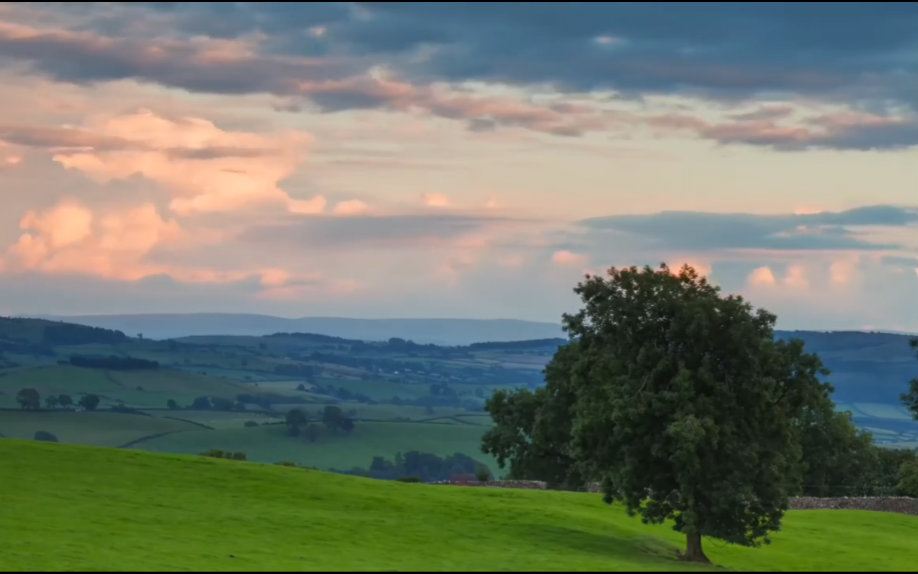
[(693, 551)]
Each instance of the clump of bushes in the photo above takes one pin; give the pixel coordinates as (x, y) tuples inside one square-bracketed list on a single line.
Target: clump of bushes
[(408, 479), (249, 424), (45, 436), (217, 453), (285, 463)]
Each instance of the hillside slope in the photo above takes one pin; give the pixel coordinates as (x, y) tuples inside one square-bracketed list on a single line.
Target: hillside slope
[(83, 508)]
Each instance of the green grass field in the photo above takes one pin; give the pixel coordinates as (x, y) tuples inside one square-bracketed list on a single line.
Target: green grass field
[(70, 508), (342, 452), (143, 389), (219, 420), (90, 428)]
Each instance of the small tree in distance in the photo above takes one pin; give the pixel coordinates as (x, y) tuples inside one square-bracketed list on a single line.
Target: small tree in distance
[(29, 399), (295, 419), (89, 402)]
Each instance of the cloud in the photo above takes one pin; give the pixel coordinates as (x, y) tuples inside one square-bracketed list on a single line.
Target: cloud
[(795, 277), (762, 276), (70, 238), (845, 130), (565, 258), (435, 200), (844, 271), (479, 110), (198, 64), (705, 231), (236, 67), (373, 230), (205, 168), (862, 51), (444, 58), (350, 207)]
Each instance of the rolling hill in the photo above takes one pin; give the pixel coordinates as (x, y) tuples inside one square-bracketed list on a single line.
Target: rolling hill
[(436, 331), (402, 396), (122, 510)]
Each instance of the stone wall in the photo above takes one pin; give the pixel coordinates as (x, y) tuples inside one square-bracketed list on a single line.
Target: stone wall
[(899, 504)]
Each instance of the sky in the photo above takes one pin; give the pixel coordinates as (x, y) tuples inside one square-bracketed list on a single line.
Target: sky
[(452, 159)]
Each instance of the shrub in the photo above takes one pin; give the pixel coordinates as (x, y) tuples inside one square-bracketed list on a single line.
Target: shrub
[(285, 463), (238, 456), (408, 479), (482, 473), (214, 452), (45, 436), (250, 424)]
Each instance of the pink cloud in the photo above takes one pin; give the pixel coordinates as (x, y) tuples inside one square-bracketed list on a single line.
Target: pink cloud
[(796, 276), (70, 238), (761, 277), (843, 272), (115, 243), (435, 200), (203, 167), (703, 268), (843, 130), (350, 207), (565, 258)]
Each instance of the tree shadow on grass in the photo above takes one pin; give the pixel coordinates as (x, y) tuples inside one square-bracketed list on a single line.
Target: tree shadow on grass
[(615, 545)]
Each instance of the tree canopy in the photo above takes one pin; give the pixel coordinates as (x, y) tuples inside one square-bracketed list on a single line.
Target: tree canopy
[(678, 400)]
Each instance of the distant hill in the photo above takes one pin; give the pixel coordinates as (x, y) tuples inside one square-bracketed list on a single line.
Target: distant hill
[(436, 331)]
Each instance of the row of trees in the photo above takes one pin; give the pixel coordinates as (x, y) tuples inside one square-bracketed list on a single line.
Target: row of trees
[(30, 399), (73, 334), (684, 407), (423, 466), (113, 363), (332, 418)]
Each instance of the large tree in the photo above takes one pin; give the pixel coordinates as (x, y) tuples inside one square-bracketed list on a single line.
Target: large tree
[(911, 398), (680, 402)]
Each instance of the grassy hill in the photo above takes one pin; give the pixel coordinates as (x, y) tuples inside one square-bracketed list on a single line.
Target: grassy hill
[(342, 452), (121, 510), (94, 428), (140, 389)]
